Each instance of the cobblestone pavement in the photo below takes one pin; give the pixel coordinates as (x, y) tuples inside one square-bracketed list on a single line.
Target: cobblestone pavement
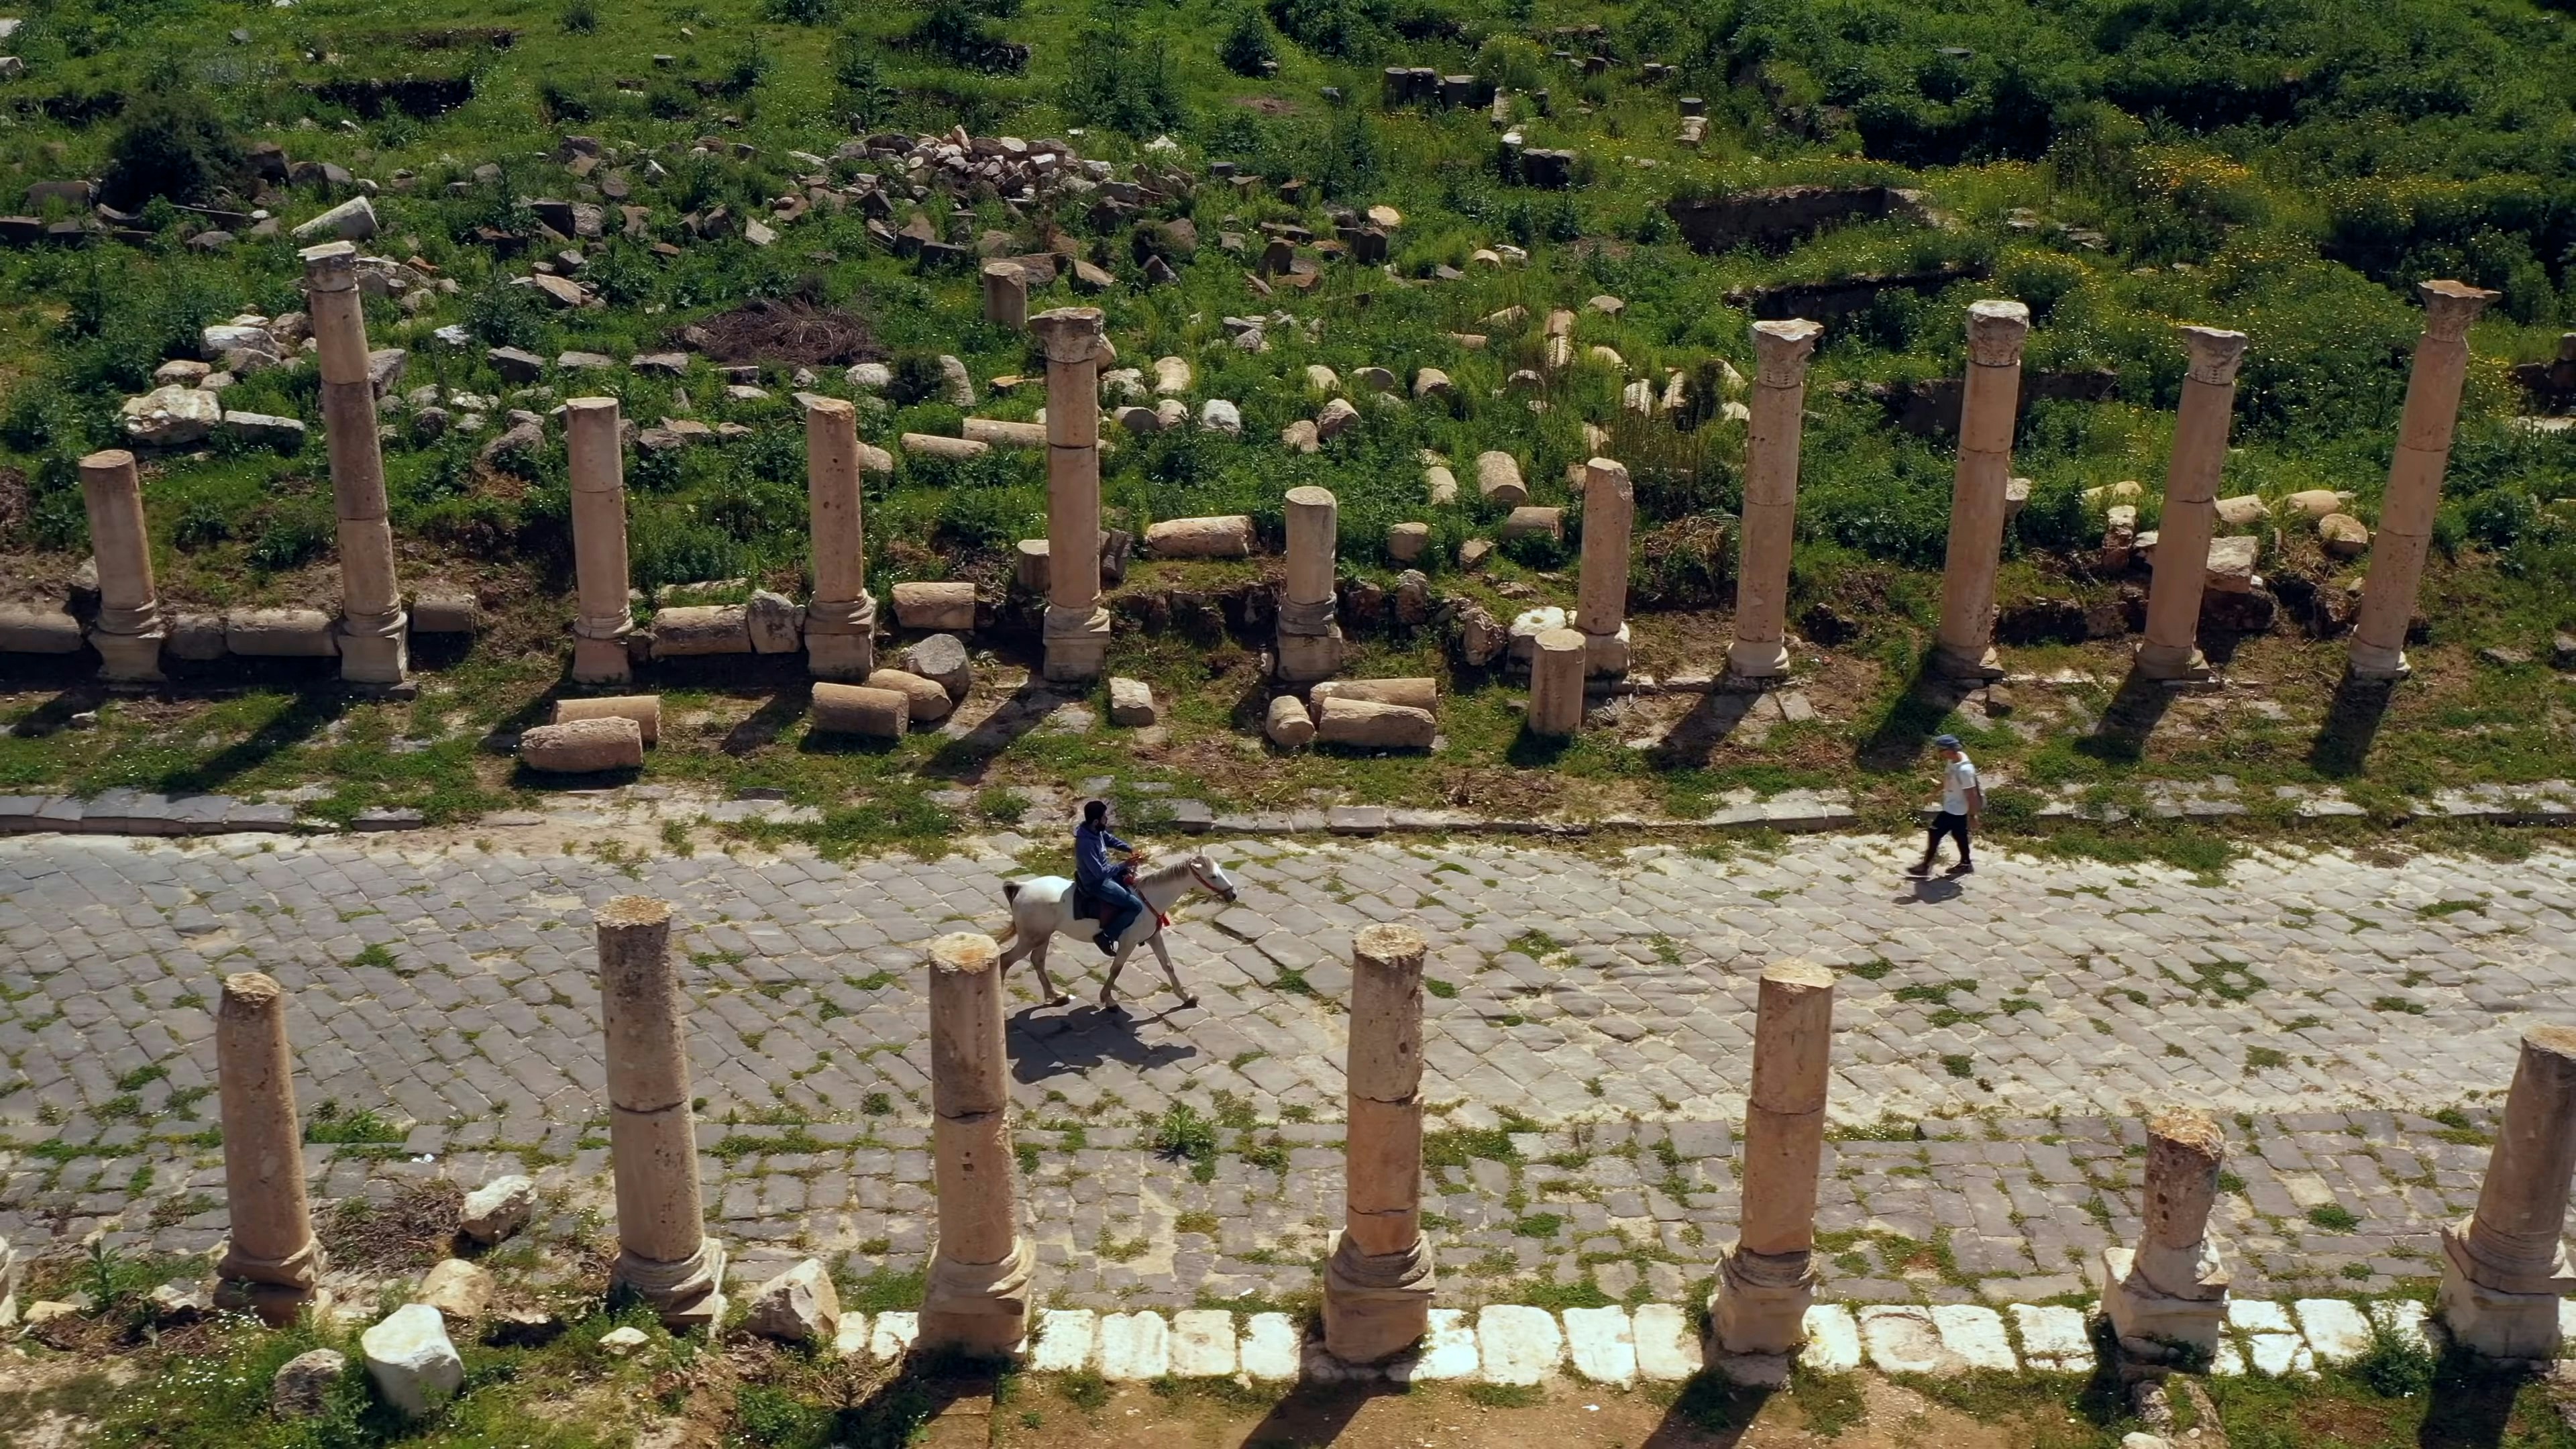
[(2353, 1025)]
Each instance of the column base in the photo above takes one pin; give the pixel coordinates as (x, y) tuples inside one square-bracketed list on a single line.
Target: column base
[(1981, 666), (1375, 1305), (2138, 1311), (2167, 663), (1757, 659), (274, 1304), (841, 639), (1306, 658), (1606, 653), (2373, 664), (980, 1309), (601, 661), (1077, 644), (1761, 1301), (277, 1289), (128, 658), (687, 1294), (375, 656), (2493, 1322)]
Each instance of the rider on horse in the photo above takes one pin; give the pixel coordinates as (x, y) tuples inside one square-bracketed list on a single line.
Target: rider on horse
[(1094, 879)]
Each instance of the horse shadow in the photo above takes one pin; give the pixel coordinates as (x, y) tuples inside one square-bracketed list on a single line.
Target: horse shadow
[(1085, 1037)]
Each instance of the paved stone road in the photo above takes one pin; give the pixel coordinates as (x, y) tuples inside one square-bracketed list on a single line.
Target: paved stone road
[(1588, 1048)]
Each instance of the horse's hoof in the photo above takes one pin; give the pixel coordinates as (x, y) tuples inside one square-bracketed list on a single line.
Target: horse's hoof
[(1059, 999), (1188, 1001)]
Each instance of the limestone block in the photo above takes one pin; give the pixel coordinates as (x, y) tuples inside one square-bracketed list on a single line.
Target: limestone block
[(2053, 1336), (925, 700), (1203, 1344), (1498, 478), (1172, 412), (1003, 434), (1337, 418), (1406, 541), (1172, 376), (1668, 1350), (1370, 725), (30, 629), (351, 220), (1903, 1340), (1975, 1333), (498, 1208), (280, 633), (1448, 1351), (1602, 1345), (798, 1306), (855, 709), (1518, 1345), (1440, 485), (1532, 521), (1432, 382), (2231, 564), (444, 614), (1413, 693), (1139, 419), (1833, 1340), (583, 747), (172, 417), (1063, 1340), (892, 1336), (701, 629), (621, 1342), (459, 1290), (1217, 415), (1300, 437), (1226, 536), (943, 606), (644, 709), (1131, 702), (197, 638), (303, 1384), (1269, 1347), (1529, 624), (410, 1359), (942, 659), (2242, 511), (1134, 1347), (1375, 379), (264, 428), (2337, 1332), (2315, 503), (2343, 535), (777, 623), (1288, 724), (931, 445)]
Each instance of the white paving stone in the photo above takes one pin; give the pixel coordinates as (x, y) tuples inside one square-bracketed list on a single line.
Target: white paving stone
[(1902, 1339), (1976, 1334), (2279, 1354), (2053, 1336), (2227, 1363), (2336, 1329), (1448, 1351), (1064, 1340), (1203, 1343), (1668, 1351), (2407, 1319), (891, 1336), (850, 1340), (1601, 1345), (1833, 1340), (1269, 1347), (2259, 1315), (1517, 1344), (1135, 1346)]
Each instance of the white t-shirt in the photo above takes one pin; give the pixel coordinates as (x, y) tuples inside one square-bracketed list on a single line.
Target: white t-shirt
[(1957, 779)]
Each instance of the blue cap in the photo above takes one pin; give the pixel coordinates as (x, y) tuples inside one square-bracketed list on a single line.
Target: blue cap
[(1947, 742)]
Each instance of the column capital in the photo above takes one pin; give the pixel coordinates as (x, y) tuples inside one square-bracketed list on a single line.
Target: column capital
[(584, 406), (829, 407), (1781, 350), (1070, 334), (2449, 307), (330, 267), (107, 460), (1609, 471), (1309, 496), (2215, 353), (1996, 331)]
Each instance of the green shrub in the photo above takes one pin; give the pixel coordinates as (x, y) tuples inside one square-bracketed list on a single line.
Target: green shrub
[(1246, 49), (1114, 80), (801, 12), (581, 17), (289, 536), (858, 78), (170, 145)]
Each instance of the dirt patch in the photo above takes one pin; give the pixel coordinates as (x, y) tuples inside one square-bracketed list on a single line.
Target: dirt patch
[(15, 503), (789, 333), (1267, 105), (409, 1234)]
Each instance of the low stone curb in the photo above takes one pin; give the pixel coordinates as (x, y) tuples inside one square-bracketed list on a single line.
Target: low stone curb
[(132, 812), (1517, 1345)]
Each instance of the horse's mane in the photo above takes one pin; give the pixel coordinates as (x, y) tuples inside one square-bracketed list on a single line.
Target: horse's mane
[(1164, 873)]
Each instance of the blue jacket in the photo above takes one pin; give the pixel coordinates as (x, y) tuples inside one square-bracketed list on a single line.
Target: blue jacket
[(1091, 846)]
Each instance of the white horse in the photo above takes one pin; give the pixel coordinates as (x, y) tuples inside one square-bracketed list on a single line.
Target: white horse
[(1042, 909)]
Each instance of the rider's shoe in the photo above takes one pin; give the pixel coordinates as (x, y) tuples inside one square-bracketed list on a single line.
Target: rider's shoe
[(1107, 943)]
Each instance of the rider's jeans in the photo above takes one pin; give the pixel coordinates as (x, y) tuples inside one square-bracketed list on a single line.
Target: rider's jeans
[(1123, 905)]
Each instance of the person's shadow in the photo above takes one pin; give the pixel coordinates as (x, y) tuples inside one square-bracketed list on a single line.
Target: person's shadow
[(1932, 890)]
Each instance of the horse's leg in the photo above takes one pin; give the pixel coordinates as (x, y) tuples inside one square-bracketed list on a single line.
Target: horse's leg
[(1109, 987), (1046, 983), (1163, 954)]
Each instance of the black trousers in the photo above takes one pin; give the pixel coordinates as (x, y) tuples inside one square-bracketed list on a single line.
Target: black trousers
[(1948, 824)]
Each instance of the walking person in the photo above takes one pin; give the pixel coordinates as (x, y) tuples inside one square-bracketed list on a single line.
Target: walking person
[(1962, 801), (1092, 875)]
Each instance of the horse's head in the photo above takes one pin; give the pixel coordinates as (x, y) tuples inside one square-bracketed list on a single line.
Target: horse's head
[(1211, 877)]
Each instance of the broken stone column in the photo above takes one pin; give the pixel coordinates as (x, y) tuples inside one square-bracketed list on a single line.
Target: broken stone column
[(2172, 1288), (2171, 649), (128, 632), (1556, 683), (1601, 607), (1780, 353), (1310, 629), (1378, 1281), (2505, 1269), (1076, 633), (1006, 295), (2415, 480), (1996, 331), (841, 620), (977, 1297), (374, 647), (271, 1259), (1767, 1278), (602, 622), (664, 1254)]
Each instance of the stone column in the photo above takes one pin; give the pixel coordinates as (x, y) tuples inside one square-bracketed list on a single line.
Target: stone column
[(1378, 1281), (2505, 1269), (1076, 633), (128, 632), (602, 624), (2414, 480), (2172, 1288), (2171, 649), (1767, 1279), (664, 1254), (1996, 331), (374, 637), (1780, 353), (1310, 629), (1006, 295), (841, 620), (977, 1298), (271, 1260), (1556, 683), (1601, 598)]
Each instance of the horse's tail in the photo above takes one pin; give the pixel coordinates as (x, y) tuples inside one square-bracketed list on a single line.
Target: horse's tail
[(1010, 896)]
